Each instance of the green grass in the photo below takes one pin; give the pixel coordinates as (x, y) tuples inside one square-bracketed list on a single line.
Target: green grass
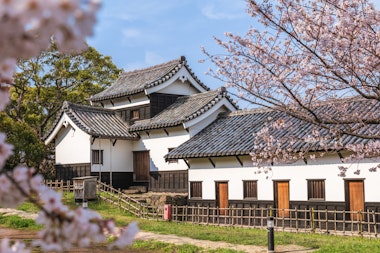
[(16, 222), (247, 236), (163, 247), (28, 207)]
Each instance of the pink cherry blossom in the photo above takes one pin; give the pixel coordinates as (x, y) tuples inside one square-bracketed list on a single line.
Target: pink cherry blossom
[(27, 27), (310, 60), (6, 246)]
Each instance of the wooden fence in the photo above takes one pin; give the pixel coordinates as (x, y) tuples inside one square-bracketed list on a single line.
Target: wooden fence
[(122, 201), (60, 185), (366, 223), (114, 197), (291, 220)]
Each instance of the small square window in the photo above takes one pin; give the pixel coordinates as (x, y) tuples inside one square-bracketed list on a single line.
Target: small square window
[(316, 189), (135, 114), (250, 189), (195, 189), (97, 156)]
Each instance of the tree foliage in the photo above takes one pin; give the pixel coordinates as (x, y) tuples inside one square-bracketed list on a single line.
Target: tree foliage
[(305, 58), (28, 149), (39, 89), (44, 82)]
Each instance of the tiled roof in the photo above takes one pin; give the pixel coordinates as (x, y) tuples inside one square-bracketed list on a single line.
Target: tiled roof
[(234, 134), (182, 110), (136, 81), (94, 121)]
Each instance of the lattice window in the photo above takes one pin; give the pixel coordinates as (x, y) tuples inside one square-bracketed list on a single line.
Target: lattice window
[(195, 189), (316, 189), (97, 156), (135, 114), (250, 189)]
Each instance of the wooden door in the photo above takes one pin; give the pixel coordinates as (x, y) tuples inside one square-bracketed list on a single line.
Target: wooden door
[(222, 197), (141, 165), (281, 197), (354, 197)]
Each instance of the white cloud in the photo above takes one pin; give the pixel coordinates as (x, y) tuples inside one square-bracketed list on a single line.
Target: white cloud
[(222, 9), (130, 33)]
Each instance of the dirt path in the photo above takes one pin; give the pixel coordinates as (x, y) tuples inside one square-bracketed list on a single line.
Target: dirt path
[(142, 235)]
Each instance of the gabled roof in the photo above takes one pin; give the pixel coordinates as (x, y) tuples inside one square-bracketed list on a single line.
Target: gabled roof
[(234, 134), (184, 109), (95, 121), (137, 81)]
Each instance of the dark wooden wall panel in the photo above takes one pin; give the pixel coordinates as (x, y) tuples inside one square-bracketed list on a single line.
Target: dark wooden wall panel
[(120, 180), (158, 102), (169, 181), (68, 171)]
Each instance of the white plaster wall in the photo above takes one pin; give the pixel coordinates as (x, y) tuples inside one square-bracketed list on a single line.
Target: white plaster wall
[(179, 88), (123, 102), (158, 143), (72, 145), (205, 120), (227, 169), (182, 83), (117, 158)]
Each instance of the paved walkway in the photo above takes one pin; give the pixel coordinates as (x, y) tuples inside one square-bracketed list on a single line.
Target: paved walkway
[(142, 235)]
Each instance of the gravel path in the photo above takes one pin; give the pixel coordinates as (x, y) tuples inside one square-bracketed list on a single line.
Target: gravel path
[(142, 235)]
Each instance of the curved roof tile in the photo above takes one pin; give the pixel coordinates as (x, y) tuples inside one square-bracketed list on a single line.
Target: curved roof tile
[(234, 134), (182, 110), (137, 81), (94, 121)]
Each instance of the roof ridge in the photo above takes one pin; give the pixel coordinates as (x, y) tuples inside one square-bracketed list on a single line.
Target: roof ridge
[(219, 94), (250, 111), (182, 59), (68, 105)]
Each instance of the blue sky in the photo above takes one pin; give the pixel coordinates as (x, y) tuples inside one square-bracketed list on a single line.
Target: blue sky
[(138, 34)]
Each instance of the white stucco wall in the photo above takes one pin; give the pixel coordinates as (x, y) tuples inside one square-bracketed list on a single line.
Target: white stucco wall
[(199, 123), (228, 169), (72, 145), (179, 88), (158, 143), (123, 102), (117, 158), (182, 83)]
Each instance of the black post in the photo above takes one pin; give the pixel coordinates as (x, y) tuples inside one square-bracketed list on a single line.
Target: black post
[(270, 226)]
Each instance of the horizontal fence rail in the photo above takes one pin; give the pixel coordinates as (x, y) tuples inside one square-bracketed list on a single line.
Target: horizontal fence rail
[(114, 197), (123, 201), (361, 223)]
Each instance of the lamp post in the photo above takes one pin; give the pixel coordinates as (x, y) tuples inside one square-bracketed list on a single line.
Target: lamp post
[(270, 227)]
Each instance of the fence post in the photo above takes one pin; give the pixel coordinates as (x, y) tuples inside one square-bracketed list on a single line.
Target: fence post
[(361, 223), (312, 220), (374, 222)]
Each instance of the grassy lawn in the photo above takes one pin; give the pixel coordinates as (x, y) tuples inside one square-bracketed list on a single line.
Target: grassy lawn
[(247, 236)]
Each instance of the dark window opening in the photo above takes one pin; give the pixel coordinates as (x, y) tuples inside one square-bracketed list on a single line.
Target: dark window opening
[(250, 189), (195, 189), (316, 189), (97, 156), (135, 114)]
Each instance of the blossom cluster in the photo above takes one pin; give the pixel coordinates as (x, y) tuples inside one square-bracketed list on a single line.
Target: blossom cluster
[(307, 57), (27, 28)]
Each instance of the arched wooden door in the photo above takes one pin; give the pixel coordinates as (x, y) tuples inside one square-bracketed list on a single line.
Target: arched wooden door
[(281, 198), (221, 190), (354, 191)]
